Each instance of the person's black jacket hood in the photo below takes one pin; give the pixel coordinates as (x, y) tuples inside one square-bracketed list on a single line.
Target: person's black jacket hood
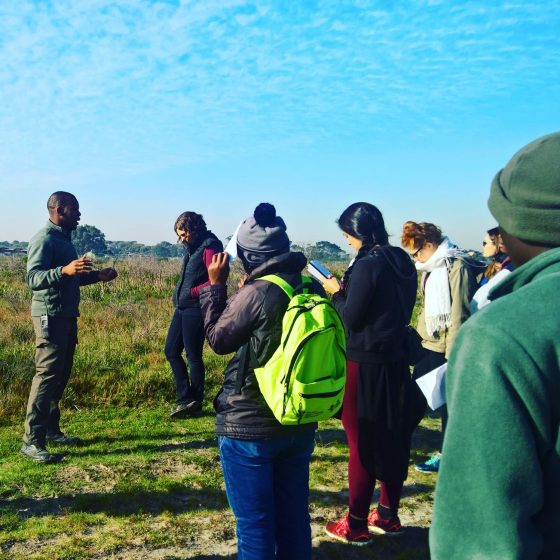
[(373, 311)]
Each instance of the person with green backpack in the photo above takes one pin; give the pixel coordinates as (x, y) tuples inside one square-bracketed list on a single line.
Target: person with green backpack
[(288, 371), (381, 407)]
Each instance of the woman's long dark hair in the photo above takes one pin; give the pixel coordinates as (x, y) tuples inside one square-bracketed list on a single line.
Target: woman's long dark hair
[(363, 221), (495, 264)]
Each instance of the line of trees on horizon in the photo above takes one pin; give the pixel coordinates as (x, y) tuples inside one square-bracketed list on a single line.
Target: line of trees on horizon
[(88, 238)]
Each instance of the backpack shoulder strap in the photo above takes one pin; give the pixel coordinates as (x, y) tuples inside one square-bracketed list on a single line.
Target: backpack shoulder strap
[(280, 282), (285, 286)]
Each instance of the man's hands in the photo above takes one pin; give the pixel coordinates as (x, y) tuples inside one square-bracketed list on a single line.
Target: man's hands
[(83, 265), (218, 271), (107, 274)]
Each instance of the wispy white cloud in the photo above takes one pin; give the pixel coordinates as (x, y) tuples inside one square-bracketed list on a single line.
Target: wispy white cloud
[(98, 82)]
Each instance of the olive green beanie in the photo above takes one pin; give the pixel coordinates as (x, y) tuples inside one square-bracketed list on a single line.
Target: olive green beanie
[(525, 194)]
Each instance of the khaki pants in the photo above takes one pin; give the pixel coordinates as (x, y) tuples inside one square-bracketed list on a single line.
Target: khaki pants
[(54, 356)]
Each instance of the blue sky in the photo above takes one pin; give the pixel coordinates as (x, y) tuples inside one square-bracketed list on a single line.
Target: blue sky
[(146, 109)]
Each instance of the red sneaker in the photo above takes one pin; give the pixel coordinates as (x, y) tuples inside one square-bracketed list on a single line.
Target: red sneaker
[(341, 531), (376, 524)]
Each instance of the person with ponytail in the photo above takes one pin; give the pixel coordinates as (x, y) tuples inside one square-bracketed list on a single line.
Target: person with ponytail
[(498, 268), (375, 300), (265, 464), (186, 331), (493, 248), (449, 281)]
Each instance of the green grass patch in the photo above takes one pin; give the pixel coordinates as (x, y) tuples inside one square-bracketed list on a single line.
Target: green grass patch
[(143, 483)]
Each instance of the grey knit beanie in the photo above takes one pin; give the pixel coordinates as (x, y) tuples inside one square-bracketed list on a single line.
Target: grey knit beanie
[(262, 235), (525, 194)]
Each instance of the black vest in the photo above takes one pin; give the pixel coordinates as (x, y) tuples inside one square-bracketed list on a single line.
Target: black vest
[(193, 272)]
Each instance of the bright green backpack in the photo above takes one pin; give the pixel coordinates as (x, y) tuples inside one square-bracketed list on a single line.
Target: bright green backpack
[(304, 379)]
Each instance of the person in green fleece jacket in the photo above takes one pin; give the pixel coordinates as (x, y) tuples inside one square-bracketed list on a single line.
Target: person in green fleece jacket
[(54, 274), (498, 493)]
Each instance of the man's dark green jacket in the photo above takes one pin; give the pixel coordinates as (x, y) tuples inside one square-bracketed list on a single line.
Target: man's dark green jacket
[(54, 294), (498, 491)]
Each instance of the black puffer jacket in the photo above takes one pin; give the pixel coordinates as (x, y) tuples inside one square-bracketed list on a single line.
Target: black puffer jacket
[(253, 314), (193, 270)]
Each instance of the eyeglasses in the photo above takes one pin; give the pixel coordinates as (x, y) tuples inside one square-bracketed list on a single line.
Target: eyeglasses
[(415, 254)]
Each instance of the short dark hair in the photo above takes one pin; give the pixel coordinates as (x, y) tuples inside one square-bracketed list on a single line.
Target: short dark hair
[(59, 198), (365, 222)]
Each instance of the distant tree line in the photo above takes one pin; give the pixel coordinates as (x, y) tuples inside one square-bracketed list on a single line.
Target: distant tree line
[(91, 239), (13, 248), (322, 251)]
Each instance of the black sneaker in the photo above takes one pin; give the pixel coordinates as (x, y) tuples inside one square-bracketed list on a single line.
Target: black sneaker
[(194, 407), (62, 439), (183, 410), (39, 454)]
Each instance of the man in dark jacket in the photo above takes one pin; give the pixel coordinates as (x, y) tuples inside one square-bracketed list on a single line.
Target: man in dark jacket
[(265, 464), (55, 274)]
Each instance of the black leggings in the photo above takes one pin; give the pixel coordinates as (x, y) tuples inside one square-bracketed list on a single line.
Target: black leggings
[(186, 332)]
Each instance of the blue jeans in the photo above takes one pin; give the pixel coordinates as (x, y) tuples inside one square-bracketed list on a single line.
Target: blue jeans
[(186, 331), (267, 485)]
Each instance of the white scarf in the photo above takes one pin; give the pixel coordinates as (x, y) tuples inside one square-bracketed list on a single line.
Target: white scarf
[(437, 296)]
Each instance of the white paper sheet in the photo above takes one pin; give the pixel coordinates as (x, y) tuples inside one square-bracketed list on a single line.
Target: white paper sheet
[(432, 384), (231, 247)]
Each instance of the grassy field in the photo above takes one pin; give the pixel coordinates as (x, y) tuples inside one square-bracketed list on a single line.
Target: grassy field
[(143, 486), (123, 325)]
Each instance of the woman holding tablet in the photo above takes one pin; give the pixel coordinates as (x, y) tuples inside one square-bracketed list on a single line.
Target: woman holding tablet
[(375, 299)]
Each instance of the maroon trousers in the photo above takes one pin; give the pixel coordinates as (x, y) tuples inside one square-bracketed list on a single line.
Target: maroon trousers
[(361, 483)]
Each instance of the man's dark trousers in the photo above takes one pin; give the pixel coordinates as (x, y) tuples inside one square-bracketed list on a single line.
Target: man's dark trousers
[(54, 356)]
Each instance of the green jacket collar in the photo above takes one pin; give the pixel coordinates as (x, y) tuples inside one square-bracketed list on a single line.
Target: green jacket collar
[(543, 264), (53, 227)]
